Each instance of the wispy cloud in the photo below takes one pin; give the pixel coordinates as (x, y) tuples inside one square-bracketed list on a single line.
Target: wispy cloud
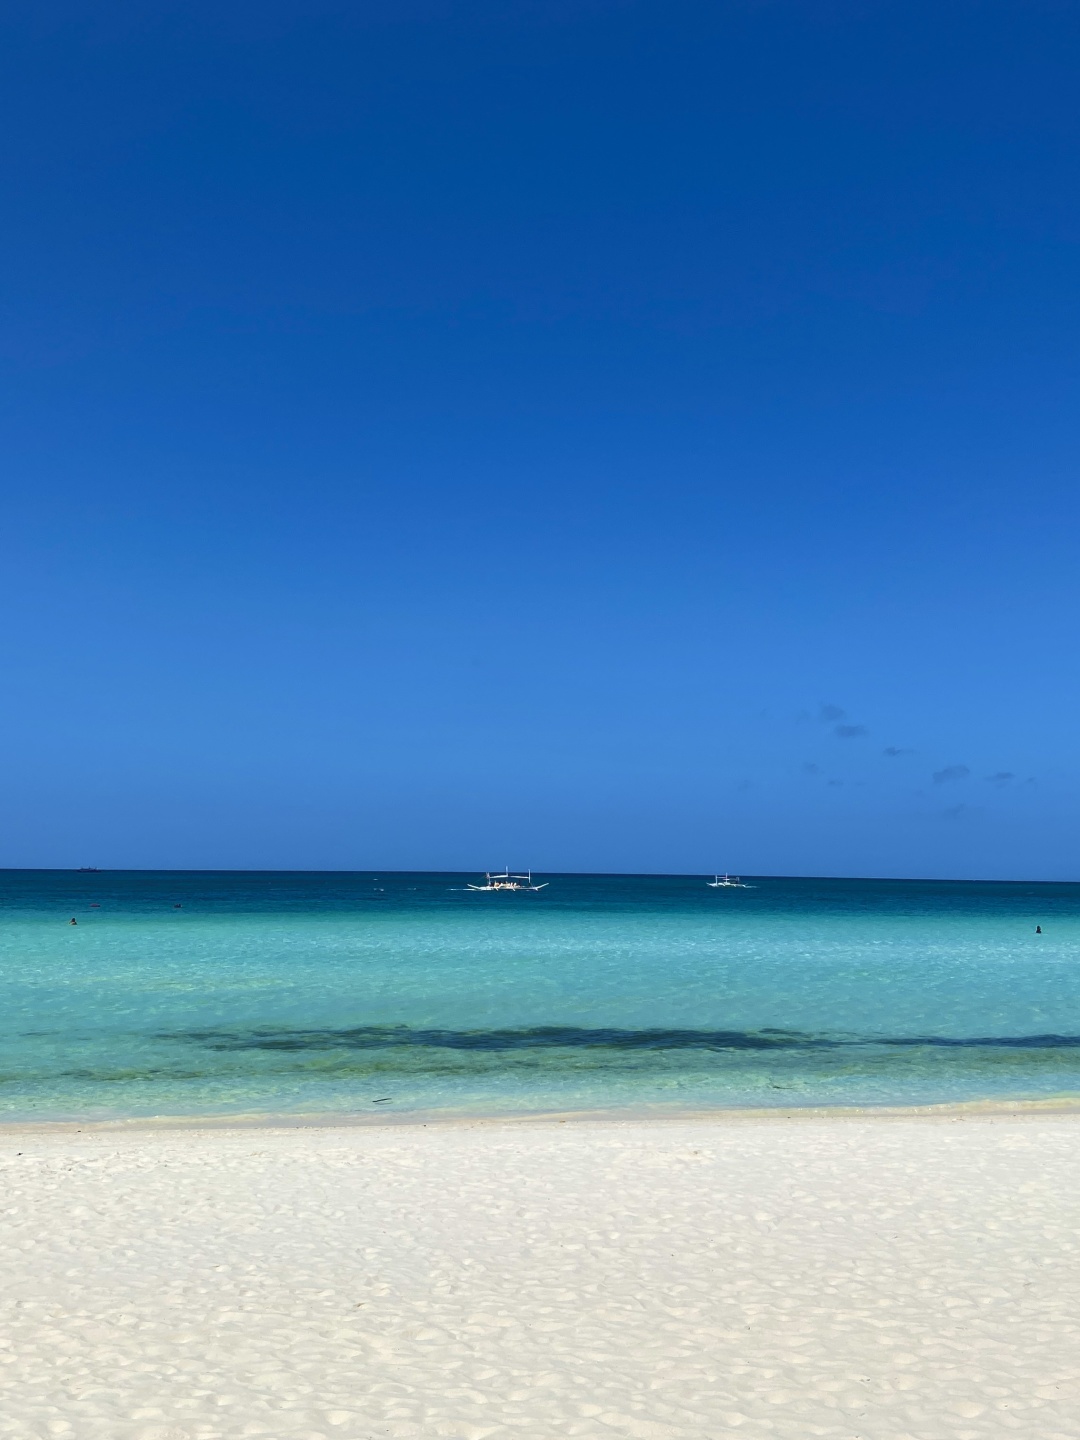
[(849, 732), (951, 772), (893, 750), (1001, 778), (809, 768), (829, 713), (954, 812), (836, 783)]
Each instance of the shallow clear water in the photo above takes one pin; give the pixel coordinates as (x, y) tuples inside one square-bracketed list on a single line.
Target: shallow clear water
[(330, 993)]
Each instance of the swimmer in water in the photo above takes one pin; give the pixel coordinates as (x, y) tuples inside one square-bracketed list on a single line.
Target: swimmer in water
[(73, 921), (1038, 929)]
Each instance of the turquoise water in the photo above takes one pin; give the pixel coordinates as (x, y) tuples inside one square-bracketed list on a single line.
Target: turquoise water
[(350, 993)]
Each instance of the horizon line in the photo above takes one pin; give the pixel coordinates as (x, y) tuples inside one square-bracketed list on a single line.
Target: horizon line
[(377, 873)]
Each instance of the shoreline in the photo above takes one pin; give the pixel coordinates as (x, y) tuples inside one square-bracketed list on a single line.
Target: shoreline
[(444, 1119)]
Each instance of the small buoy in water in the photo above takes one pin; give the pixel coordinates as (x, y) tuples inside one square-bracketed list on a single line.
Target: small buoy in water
[(178, 906)]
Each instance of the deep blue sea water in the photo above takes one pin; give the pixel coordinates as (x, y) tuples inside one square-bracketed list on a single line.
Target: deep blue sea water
[(304, 993)]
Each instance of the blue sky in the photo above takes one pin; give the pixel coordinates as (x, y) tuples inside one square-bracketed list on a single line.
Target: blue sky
[(598, 435)]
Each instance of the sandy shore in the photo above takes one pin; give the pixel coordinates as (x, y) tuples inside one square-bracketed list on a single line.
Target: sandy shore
[(865, 1279)]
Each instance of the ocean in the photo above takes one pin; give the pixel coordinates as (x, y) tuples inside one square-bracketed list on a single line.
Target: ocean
[(189, 994)]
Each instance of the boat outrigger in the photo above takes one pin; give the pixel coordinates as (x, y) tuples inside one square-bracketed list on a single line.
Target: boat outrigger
[(727, 882), (506, 881)]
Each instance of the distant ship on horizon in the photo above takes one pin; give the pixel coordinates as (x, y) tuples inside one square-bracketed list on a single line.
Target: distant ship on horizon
[(507, 881), (727, 882)]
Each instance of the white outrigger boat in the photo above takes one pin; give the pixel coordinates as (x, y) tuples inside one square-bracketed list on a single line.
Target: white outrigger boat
[(506, 881), (727, 882)]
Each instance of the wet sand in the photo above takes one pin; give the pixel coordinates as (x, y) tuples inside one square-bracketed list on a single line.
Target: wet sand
[(859, 1277)]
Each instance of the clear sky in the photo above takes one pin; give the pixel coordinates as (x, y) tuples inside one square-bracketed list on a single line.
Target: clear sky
[(593, 434)]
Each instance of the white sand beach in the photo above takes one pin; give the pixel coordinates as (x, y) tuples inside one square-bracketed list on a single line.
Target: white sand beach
[(868, 1278)]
